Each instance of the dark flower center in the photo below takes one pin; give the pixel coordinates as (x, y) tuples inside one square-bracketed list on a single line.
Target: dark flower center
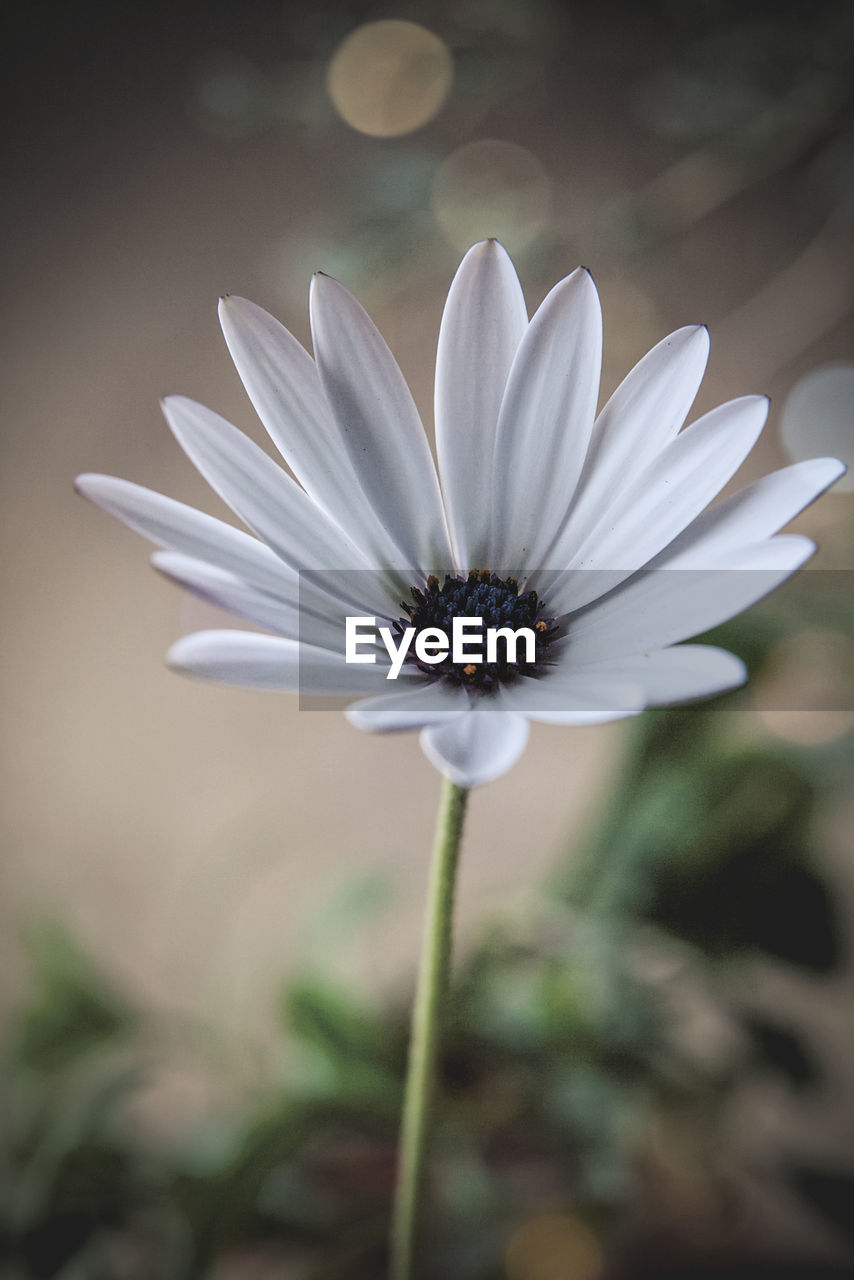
[(498, 603)]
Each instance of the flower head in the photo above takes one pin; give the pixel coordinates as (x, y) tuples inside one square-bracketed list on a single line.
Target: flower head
[(593, 532)]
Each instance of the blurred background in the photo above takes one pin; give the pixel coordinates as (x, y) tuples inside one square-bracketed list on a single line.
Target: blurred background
[(211, 902)]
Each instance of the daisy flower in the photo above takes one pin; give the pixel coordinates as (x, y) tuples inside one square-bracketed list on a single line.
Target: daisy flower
[(595, 532)]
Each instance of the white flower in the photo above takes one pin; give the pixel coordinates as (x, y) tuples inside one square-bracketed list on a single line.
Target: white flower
[(596, 515)]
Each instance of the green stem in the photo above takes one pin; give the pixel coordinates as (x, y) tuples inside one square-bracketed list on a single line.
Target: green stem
[(433, 973)]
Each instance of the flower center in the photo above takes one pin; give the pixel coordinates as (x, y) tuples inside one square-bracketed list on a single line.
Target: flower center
[(500, 606)]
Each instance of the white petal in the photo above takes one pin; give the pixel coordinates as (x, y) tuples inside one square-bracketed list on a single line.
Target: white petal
[(666, 496), (379, 426), (408, 709), (752, 514), (227, 591), (545, 422), (482, 325), (563, 691), (477, 746), (258, 490), (270, 662), (239, 657), (641, 417), (302, 611), (282, 382), (678, 674), (660, 607), (582, 717), (173, 524)]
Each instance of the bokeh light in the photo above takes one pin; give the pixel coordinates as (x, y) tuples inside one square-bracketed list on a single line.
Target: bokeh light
[(390, 77), (808, 728), (492, 188), (818, 418), (805, 694), (553, 1247)]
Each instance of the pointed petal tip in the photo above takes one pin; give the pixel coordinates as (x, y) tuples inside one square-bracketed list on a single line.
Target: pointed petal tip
[(800, 547), (753, 402), (239, 318), (579, 282), (173, 401), (693, 340), (176, 654), (178, 411), (230, 309), (822, 472), (186, 653), (321, 286), (231, 306), (582, 278), (172, 574), (586, 278), (169, 563), (487, 247), (324, 287), (91, 485)]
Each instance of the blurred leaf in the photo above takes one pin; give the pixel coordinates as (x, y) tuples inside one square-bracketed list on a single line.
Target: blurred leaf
[(710, 844), (333, 1020), (72, 1009), (351, 1050), (728, 863)]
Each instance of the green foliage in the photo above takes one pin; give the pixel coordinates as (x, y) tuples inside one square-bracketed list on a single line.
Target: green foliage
[(565, 1057), (709, 840), (72, 1010), (349, 1046)]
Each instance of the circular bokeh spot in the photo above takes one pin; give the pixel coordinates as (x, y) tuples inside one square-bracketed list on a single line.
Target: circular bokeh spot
[(491, 189), (390, 77), (553, 1247), (805, 692), (818, 418)]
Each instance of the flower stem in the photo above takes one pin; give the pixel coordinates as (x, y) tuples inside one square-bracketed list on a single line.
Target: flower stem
[(433, 973)]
